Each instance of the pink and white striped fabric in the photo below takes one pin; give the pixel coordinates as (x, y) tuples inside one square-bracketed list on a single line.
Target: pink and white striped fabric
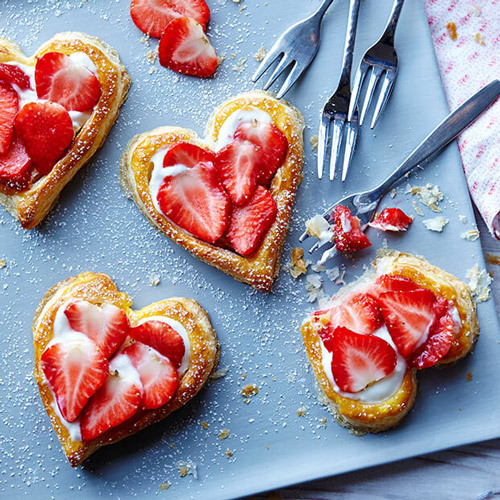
[(466, 64)]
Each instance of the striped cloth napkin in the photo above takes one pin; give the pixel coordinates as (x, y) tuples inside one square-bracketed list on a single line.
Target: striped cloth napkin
[(466, 36)]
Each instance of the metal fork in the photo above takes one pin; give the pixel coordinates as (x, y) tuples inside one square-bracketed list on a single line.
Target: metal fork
[(336, 108), (363, 205), (380, 58), (298, 45)]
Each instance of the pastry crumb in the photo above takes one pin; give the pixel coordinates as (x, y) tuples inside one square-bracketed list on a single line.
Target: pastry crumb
[(220, 373), (298, 264), (393, 193), (417, 209), (437, 224), (491, 258), (172, 445), (3, 263), (301, 411), (249, 390), (224, 434), (229, 453), (479, 39), (164, 486), (471, 235), (238, 68), (428, 195), (355, 432), (323, 421), (318, 227), (463, 219), (151, 56), (452, 30), (154, 279), (204, 424), (220, 59), (314, 142), (260, 54), (468, 377), (186, 468), (145, 40), (479, 283)]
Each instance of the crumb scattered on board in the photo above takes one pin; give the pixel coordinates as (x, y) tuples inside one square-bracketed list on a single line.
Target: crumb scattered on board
[(491, 258), (204, 424), (220, 373), (229, 453), (471, 235), (301, 411), (186, 468), (428, 195), (260, 54), (224, 434), (164, 486), (3, 263), (314, 142), (298, 265), (468, 377), (154, 279), (452, 30), (436, 224), (249, 390), (479, 283)]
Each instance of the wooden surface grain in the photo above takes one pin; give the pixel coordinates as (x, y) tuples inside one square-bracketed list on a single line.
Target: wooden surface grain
[(468, 473)]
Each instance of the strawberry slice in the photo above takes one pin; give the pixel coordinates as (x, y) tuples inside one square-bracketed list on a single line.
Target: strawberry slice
[(161, 337), (360, 314), (195, 201), (106, 325), (14, 74), (391, 219), (158, 375), (347, 229), (437, 344), (15, 166), (272, 142), (250, 222), (408, 317), (185, 48), (46, 131), (9, 106), (240, 167), (60, 79), (115, 402), (75, 370), (394, 283), (153, 16), (184, 153), (360, 360)]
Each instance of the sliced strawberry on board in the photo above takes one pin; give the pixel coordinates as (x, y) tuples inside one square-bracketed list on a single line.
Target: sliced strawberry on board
[(153, 16), (15, 166), (115, 402), (162, 337), (158, 375), (360, 360), (360, 314), (251, 222), (408, 317), (9, 106), (184, 153), (347, 230), (239, 165), (60, 79), (272, 142), (14, 74), (46, 131), (75, 370), (195, 201), (106, 325), (391, 219), (394, 283), (185, 48), (436, 346)]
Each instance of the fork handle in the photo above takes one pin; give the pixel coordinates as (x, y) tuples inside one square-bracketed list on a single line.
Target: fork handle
[(320, 11), (352, 23), (390, 29), (443, 134)]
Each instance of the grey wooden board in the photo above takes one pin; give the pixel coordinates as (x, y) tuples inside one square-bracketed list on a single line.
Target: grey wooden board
[(95, 228)]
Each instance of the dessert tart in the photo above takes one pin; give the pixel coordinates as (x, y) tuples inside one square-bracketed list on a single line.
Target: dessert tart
[(106, 371), (56, 110), (226, 198), (366, 346)]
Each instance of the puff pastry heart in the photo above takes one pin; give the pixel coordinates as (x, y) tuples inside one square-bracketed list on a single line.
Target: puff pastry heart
[(88, 290), (400, 283), (260, 267), (32, 203)]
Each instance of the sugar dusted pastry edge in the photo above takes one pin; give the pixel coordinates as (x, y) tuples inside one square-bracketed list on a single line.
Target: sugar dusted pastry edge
[(97, 288), (32, 205), (260, 269), (377, 417)]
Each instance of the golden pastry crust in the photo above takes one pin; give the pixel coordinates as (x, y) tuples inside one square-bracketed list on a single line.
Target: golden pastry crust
[(259, 269), (32, 205), (99, 288), (377, 417)]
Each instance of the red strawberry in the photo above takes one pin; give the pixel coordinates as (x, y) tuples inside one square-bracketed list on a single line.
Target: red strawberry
[(153, 16), (273, 144), (360, 314), (436, 346), (46, 130), (116, 401), (391, 219), (240, 166), (347, 229), (158, 375), (185, 48), (106, 325), (360, 360), (250, 222), (195, 201), (13, 74), (184, 153), (15, 166), (9, 106), (394, 283), (162, 337), (408, 317), (75, 370), (59, 79)]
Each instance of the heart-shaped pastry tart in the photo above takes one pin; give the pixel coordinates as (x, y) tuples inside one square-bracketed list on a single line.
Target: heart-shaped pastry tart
[(56, 110), (105, 371), (226, 198), (366, 346)]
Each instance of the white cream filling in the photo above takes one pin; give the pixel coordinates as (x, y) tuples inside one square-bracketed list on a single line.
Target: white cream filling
[(121, 363)]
